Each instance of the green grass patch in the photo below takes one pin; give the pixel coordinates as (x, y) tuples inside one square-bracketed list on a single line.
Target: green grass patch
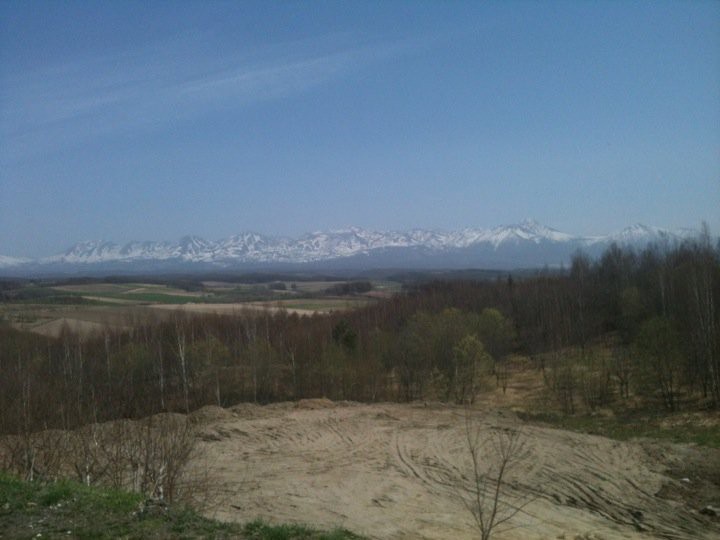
[(259, 530), (69, 509), (627, 427), (154, 298)]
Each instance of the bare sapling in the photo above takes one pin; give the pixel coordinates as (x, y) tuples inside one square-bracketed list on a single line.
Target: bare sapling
[(487, 494)]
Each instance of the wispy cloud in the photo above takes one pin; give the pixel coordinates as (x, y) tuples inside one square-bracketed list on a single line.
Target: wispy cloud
[(64, 105)]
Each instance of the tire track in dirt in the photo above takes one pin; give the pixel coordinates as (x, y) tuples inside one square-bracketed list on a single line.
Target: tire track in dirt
[(596, 476), (397, 471)]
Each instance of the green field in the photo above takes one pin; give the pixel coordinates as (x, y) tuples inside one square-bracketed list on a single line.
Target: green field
[(132, 292), (634, 426)]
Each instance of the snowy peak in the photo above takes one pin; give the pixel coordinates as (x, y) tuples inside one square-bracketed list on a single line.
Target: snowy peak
[(542, 232), (88, 251), (639, 232), (528, 230), (194, 249), (241, 245)]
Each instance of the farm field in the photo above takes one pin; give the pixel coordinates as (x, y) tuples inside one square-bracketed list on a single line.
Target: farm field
[(49, 320), (226, 309), (86, 308), (320, 305), (132, 288)]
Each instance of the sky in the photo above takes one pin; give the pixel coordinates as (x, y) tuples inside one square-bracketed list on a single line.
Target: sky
[(135, 120)]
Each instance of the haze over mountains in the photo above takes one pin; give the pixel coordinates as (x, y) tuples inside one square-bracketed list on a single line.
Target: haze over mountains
[(524, 245)]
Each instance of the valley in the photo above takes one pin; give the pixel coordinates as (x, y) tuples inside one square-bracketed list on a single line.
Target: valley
[(359, 270)]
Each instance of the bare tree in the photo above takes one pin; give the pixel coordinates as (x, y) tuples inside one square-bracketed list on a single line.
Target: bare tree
[(181, 350), (148, 456), (705, 324), (622, 369), (561, 378), (487, 495)]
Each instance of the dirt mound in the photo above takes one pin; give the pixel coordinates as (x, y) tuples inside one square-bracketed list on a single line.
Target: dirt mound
[(396, 471), (253, 410), (211, 413), (312, 404)]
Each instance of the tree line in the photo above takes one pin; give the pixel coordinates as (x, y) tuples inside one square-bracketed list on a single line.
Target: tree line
[(654, 309)]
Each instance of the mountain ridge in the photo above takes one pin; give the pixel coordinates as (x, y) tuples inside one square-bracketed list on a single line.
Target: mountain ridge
[(497, 245)]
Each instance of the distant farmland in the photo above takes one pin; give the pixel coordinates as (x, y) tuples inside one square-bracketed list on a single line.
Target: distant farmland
[(87, 308)]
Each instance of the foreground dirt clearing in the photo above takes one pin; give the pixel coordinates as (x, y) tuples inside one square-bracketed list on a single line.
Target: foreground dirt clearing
[(393, 471)]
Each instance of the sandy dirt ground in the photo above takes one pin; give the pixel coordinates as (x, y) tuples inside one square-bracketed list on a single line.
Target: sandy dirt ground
[(396, 471)]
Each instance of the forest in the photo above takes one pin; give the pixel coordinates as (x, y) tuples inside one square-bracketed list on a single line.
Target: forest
[(631, 323)]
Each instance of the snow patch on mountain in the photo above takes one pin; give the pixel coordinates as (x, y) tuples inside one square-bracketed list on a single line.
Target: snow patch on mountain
[(6, 261)]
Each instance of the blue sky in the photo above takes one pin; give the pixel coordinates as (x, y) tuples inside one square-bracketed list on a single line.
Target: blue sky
[(150, 120)]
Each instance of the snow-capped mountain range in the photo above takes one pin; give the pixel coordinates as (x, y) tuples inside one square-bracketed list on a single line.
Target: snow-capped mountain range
[(525, 244)]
